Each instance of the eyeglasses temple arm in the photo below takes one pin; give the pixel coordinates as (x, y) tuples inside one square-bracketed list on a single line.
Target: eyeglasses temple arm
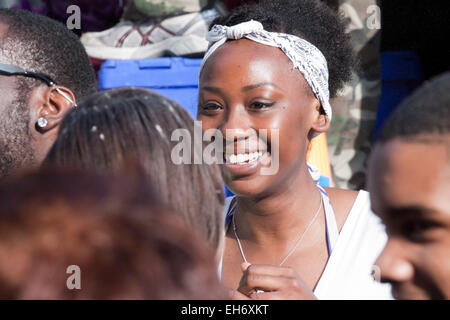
[(65, 96)]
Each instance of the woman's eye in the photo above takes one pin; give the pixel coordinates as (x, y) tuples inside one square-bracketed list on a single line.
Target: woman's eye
[(211, 107), (261, 105)]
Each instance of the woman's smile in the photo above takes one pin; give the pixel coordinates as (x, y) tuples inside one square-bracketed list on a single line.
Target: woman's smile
[(246, 163), (264, 111)]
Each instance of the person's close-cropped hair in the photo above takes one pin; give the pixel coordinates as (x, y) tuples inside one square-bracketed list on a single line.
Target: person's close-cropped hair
[(40, 44), (409, 184), (115, 126), (409, 121), (117, 239)]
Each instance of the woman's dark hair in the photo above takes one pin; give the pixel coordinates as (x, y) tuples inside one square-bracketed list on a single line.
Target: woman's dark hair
[(311, 20), (124, 242), (112, 128)]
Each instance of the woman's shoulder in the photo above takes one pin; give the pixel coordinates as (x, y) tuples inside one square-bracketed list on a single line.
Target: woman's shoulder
[(356, 213), (343, 202), (342, 195)]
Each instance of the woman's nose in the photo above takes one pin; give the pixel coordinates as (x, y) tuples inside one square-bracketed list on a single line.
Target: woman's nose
[(236, 124)]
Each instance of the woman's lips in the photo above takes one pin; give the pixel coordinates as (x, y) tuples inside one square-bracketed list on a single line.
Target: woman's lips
[(242, 157), (246, 164)]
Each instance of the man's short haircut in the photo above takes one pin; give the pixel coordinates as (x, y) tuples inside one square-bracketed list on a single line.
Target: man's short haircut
[(425, 113), (40, 44)]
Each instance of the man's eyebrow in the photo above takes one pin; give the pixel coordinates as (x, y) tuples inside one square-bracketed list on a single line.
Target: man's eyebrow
[(410, 211), (258, 85)]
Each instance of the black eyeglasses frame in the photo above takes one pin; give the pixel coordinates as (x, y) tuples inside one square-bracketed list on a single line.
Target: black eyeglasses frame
[(10, 70)]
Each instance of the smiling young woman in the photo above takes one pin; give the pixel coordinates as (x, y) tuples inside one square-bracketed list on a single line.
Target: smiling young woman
[(272, 68)]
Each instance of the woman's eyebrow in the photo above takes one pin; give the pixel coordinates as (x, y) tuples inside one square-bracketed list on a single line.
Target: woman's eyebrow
[(246, 88), (258, 85), (212, 89)]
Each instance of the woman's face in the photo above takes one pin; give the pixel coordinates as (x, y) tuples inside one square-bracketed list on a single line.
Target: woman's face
[(261, 105)]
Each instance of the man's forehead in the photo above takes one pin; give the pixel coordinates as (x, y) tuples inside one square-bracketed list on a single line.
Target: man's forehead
[(414, 155), (409, 173), (7, 83), (3, 33), (3, 30)]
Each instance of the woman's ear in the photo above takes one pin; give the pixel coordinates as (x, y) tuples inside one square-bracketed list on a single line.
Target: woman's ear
[(57, 102), (321, 122)]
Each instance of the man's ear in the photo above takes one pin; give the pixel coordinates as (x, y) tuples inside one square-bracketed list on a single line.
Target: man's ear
[(321, 122), (57, 101)]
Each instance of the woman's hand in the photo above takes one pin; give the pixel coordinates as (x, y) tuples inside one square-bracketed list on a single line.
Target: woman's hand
[(277, 283)]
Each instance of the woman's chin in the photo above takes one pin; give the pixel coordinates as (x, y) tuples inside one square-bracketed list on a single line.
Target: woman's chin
[(249, 186), (245, 179)]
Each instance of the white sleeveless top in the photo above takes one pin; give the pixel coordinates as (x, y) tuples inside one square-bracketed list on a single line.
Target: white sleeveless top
[(353, 251)]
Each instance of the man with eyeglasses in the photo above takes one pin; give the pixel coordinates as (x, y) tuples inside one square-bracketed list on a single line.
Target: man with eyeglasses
[(44, 72)]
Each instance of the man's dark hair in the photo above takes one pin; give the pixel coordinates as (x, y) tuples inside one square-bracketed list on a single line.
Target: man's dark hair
[(311, 20), (40, 44), (426, 112)]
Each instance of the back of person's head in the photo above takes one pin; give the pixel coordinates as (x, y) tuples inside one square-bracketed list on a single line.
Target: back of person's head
[(311, 20), (125, 244), (425, 114), (36, 43), (113, 127)]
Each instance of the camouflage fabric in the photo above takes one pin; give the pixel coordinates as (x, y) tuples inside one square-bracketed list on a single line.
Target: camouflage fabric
[(354, 111)]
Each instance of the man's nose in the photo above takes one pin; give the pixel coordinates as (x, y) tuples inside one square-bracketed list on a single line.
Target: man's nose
[(393, 262)]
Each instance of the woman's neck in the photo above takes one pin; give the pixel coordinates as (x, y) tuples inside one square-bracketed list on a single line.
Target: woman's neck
[(280, 216)]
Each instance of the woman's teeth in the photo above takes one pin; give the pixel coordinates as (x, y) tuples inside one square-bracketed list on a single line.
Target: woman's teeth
[(243, 158)]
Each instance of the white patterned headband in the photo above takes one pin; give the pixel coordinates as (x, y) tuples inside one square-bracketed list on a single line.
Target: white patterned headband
[(304, 55)]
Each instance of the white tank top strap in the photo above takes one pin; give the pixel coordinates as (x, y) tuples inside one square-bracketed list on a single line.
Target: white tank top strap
[(330, 220), (230, 211)]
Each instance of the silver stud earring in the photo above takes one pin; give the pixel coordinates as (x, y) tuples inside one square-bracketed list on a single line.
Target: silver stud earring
[(42, 122)]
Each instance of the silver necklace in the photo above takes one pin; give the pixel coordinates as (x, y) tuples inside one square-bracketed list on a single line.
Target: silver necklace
[(296, 243)]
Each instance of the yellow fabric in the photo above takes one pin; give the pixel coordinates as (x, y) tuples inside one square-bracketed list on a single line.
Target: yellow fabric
[(318, 156)]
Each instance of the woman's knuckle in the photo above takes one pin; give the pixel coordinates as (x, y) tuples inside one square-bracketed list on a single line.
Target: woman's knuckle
[(252, 280), (251, 270), (293, 283)]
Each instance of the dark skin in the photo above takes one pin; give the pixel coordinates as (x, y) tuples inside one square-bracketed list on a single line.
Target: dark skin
[(245, 87), (409, 183), (44, 101)]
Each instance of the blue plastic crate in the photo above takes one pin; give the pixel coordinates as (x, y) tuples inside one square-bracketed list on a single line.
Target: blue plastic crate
[(175, 78)]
